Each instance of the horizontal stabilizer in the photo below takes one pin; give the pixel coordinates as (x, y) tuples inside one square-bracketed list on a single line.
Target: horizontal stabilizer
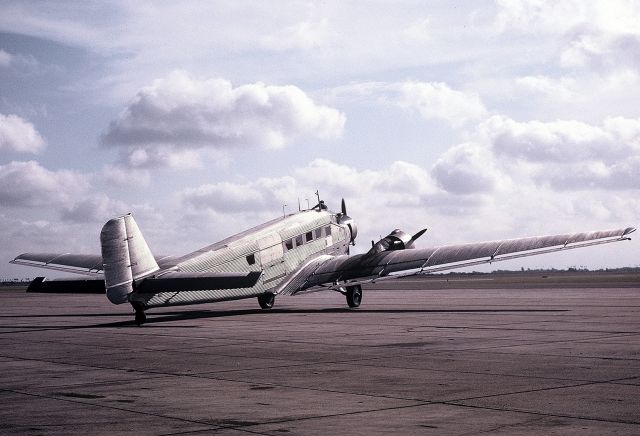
[(66, 286), (194, 281)]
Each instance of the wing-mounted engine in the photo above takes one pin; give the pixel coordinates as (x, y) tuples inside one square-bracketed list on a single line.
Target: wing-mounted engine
[(396, 240)]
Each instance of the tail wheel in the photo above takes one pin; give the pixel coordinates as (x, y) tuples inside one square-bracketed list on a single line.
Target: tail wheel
[(354, 295), (266, 300)]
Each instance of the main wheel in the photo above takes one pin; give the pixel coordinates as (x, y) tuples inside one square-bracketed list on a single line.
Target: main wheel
[(354, 295), (266, 300), (140, 317)]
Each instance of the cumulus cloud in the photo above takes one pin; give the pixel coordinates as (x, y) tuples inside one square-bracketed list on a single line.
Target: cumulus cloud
[(600, 35), (19, 135), (466, 169), (558, 88), (29, 184), (561, 140), (567, 154), (96, 208), (241, 197), (439, 101), (431, 100), (184, 112), (602, 51)]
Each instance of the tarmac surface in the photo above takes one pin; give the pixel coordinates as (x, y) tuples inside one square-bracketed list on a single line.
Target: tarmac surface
[(409, 361)]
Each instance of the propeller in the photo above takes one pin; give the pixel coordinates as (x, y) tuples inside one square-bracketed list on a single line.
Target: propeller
[(414, 237), (343, 218)]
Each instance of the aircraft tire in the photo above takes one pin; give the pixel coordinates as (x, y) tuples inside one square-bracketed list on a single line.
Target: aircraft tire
[(266, 300), (140, 317), (354, 296)]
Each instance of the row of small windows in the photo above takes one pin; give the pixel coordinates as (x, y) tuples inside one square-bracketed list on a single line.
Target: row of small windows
[(298, 240), (307, 237)]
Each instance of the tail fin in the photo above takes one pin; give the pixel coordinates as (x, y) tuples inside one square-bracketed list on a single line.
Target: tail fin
[(125, 257)]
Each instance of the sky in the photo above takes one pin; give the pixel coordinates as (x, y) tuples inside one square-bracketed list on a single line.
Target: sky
[(478, 120)]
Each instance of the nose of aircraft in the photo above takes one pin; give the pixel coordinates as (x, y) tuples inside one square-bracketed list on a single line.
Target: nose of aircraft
[(346, 220)]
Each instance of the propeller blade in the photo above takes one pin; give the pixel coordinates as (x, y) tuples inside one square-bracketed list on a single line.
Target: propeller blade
[(344, 207), (416, 236)]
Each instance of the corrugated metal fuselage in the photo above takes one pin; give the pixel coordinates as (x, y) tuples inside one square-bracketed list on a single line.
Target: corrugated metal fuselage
[(276, 248)]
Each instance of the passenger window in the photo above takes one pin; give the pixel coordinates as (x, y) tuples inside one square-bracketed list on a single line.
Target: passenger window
[(327, 231), (318, 233), (251, 259), (298, 240), (309, 236), (289, 244)]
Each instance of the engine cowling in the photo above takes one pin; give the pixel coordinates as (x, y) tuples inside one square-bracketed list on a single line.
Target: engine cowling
[(396, 240)]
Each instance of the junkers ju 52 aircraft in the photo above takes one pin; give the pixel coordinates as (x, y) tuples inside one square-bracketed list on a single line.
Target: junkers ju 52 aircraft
[(301, 252)]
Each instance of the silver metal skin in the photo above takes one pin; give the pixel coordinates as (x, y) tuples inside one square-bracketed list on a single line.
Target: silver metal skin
[(296, 253)]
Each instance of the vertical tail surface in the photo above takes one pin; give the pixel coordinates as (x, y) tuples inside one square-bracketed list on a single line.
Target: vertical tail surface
[(125, 257)]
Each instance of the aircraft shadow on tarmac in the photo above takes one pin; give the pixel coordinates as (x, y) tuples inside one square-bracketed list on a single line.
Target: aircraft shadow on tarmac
[(168, 317)]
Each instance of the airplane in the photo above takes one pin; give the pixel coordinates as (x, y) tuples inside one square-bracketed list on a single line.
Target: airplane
[(300, 252)]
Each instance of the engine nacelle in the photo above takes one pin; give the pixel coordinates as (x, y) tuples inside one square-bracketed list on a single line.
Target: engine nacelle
[(396, 240)]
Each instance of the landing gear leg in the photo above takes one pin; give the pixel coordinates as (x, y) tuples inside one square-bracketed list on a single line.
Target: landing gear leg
[(140, 315), (266, 300), (354, 295)]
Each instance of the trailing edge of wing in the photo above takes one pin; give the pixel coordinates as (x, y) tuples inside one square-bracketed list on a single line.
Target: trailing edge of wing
[(363, 268), (88, 264), (195, 281)]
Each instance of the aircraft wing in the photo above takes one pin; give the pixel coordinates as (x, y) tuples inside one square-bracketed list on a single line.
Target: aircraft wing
[(86, 264), (333, 272)]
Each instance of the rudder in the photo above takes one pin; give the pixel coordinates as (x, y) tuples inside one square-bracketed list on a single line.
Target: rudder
[(125, 257)]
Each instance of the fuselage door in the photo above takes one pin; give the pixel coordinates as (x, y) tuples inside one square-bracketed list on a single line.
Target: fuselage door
[(271, 258)]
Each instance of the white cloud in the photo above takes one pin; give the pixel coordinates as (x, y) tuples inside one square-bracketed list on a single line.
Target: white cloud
[(29, 184), (561, 89), (419, 30), (18, 135), (559, 141), (431, 100), (466, 169), (567, 154), (96, 208), (537, 16), (241, 197), (439, 101), (602, 51), (304, 35), (5, 58), (589, 176), (180, 112)]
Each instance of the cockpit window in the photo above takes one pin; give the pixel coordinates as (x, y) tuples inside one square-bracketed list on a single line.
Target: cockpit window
[(327, 230), (289, 244), (251, 259)]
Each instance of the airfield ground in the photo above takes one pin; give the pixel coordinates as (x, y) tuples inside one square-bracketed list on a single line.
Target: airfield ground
[(469, 355)]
